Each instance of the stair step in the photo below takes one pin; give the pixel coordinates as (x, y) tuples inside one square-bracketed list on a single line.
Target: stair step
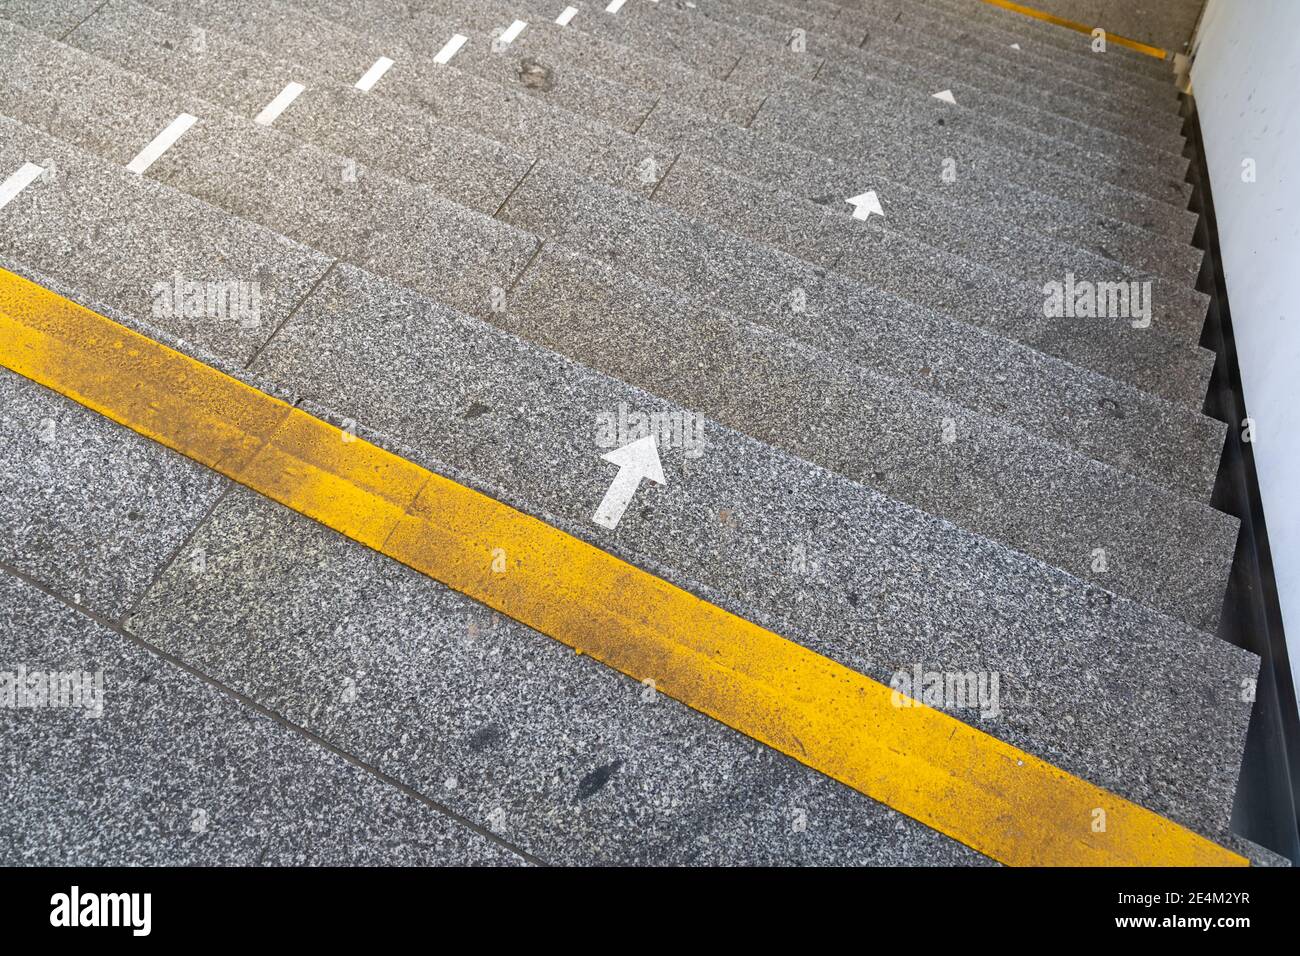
[(244, 80), (1177, 308), (907, 148), (1185, 460), (880, 446), (1147, 358), (1132, 92), (183, 756), (494, 721), (481, 108), (647, 23), (392, 359), (1151, 172), (727, 525), (230, 166), (1047, 38)]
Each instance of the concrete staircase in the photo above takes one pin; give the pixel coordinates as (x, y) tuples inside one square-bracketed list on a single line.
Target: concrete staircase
[(905, 461)]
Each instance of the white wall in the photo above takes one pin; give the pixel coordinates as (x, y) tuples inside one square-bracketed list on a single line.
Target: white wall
[(1246, 80)]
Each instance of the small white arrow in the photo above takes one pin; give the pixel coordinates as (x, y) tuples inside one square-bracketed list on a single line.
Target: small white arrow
[(865, 205), (945, 95), (636, 460)]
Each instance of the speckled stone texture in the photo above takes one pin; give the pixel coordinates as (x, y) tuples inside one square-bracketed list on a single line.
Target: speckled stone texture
[(1013, 488), (177, 773), (478, 172), (890, 585), (243, 79), (1175, 308), (338, 207), (53, 19), (1099, 433), (928, 351), (904, 463), (115, 237), (559, 755), (424, 37), (83, 508), (1043, 38), (1175, 560), (924, 214), (1163, 23)]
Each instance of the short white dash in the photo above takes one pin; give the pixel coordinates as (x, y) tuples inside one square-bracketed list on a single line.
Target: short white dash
[(449, 50), (1015, 46), (374, 74), (614, 6), (271, 112), (567, 14), (161, 143), (512, 32), (945, 95), (19, 181)]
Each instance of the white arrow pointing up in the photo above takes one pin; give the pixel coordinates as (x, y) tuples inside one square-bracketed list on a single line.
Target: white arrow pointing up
[(636, 460), (865, 205), (945, 95)]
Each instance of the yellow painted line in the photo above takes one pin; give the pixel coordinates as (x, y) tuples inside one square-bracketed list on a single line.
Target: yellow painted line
[(999, 800), (1138, 45)]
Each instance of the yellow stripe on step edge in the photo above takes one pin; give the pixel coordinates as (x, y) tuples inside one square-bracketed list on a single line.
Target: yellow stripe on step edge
[(1138, 45), (999, 800)]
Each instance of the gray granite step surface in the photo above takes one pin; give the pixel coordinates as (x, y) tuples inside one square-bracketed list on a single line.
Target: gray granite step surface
[(161, 767), (1065, 529), (613, 158), (1179, 468)]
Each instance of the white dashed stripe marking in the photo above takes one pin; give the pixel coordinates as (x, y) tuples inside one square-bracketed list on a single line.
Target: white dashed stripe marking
[(271, 112), (512, 32), (161, 143), (567, 14), (449, 50), (374, 74), (19, 181), (614, 6)]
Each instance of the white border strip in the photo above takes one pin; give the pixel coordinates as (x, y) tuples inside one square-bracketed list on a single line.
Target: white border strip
[(449, 49), (614, 6), (161, 143), (25, 175), (567, 14), (271, 112), (374, 74)]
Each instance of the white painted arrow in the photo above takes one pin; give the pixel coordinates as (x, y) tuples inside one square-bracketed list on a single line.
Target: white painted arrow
[(945, 95), (865, 205), (636, 460)]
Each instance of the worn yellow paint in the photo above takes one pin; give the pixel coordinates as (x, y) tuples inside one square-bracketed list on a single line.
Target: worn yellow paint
[(1052, 18), (999, 800)]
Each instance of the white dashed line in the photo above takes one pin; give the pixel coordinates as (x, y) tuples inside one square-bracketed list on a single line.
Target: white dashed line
[(19, 181), (271, 112), (447, 52), (161, 143), (374, 74), (614, 6), (512, 32), (567, 14)]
